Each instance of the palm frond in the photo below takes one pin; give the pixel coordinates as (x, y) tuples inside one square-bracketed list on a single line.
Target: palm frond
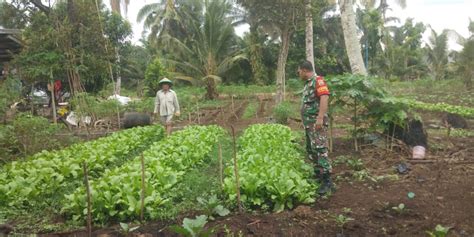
[(189, 79), (452, 34), (401, 3), (186, 67), (217, 79), (229, 62), (173, 44), (148, 10)]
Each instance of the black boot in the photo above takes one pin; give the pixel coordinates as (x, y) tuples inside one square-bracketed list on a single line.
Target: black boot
[(326, 185)]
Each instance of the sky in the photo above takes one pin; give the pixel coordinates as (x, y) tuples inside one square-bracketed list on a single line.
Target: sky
[(439, 14)]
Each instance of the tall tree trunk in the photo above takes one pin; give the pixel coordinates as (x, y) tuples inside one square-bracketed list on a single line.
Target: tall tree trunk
[(211, 90), (115, 5), (351, 40), (309, 33), (119, 75), (282, 57), (258, 69)]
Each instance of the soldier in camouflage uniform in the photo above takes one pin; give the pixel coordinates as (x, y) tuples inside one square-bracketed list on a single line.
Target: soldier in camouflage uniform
[(315, 120)]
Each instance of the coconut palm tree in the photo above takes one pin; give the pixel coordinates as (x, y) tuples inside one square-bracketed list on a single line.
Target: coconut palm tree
[(464, 60), (116, 6), (350, 30), (437, 53), (309, 32), (210, 51), (168, 19)]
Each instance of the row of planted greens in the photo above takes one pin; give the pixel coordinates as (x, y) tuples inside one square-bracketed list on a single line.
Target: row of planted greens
[(439, 107), (46, 176), (116, 195), (271, 169)]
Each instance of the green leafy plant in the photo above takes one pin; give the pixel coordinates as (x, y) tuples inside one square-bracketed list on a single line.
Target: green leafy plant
[(272, 171), (229, 233), (126, 228), (363, 175), (438, 107), (45, 176), (117, 192), (400, 209), (347, 210), (355, 164), (213, 207), (193, 227), (282, 112), (340, 160), (439, 231), (342, 220), (371, 105)]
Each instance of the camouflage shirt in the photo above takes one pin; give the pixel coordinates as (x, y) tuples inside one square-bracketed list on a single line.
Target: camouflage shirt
[(314, 88)]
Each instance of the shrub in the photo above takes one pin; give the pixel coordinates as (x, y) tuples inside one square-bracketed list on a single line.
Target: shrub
[(282, 112), (33, 134), (154, 72)]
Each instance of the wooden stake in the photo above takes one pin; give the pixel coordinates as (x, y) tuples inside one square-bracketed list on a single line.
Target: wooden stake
[(199, 114), (118, 116), (233, 108), (53, 98), (222, 116), (331, 134), (142, 196), (392, 138), (355, 126), (88, 193), (236, 170), (221, 166)]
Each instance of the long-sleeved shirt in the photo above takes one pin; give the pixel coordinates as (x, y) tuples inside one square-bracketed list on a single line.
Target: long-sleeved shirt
[(166, 103)]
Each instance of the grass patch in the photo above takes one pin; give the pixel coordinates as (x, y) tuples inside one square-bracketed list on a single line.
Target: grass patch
[(250, 110), (200, 182), (211, 104), (38, 220), (431, 91), (245, 90), (453, 133)]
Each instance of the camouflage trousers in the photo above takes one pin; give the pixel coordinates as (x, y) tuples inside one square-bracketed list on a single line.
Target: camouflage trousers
[(317, 148)]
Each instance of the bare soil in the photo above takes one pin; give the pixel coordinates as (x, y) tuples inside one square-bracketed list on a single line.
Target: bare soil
[(443, 185)]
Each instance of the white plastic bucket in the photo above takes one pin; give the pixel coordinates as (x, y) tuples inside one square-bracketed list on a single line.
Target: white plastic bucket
[(419, 152)]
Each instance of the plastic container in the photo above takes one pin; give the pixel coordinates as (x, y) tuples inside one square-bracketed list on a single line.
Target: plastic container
[(419, 152)]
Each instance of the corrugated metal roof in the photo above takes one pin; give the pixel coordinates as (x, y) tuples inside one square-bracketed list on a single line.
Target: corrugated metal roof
[(10, 44)]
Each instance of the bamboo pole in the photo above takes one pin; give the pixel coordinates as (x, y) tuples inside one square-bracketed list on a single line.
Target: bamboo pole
[(233, 108), (236, 169), (88, 193), (142, 196), (221, 166)]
